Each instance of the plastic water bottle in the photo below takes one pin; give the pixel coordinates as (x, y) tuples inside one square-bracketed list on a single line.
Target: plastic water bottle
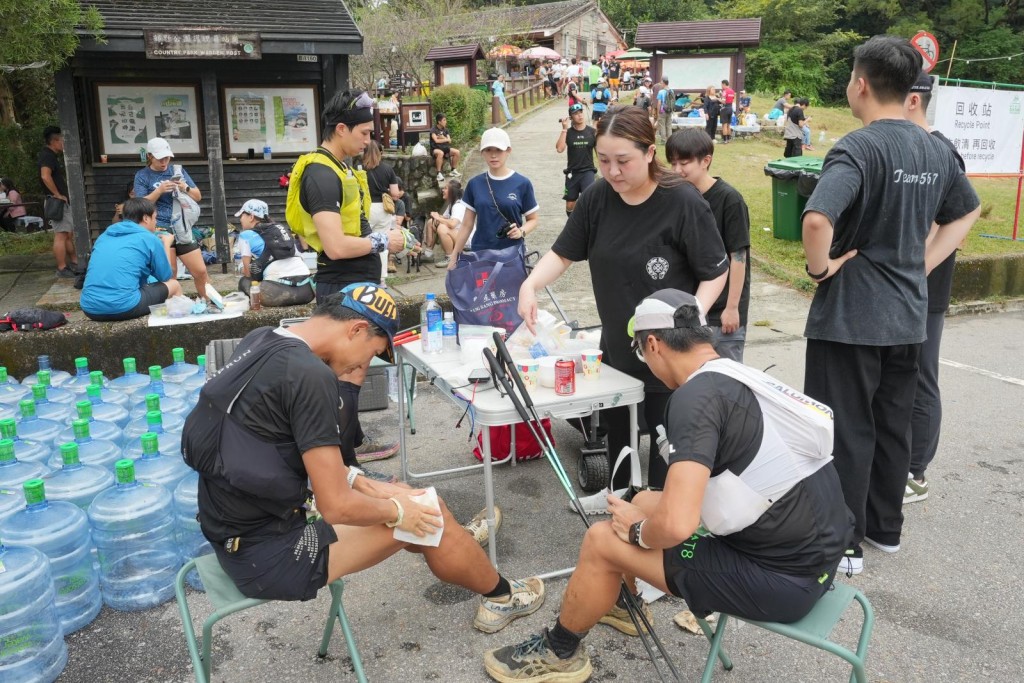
[(37, 428), (100, 429), (13, 472), (449, 333), (430, 325), (165, 404), (47, 409), (191, 542), (92, 451), (155, 468), (133, 529), (105, 410), (158, 386), (11, 501), (821, 136), (130, 380), (57, 377), (179, 370), (7, 411), (32, 644), (24, 449), (10, 391), (61, 531), (108, 395), (82, 377), (153, 421), (76, 483), (53, 394), (193, 383)]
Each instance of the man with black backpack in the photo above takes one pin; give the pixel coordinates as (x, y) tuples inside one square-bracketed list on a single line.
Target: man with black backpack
[(666, 100)]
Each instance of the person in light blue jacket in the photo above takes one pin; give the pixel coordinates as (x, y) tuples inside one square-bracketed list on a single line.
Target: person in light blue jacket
[(125, 257)]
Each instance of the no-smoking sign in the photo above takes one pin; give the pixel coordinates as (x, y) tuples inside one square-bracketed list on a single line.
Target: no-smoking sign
[(928, 46)]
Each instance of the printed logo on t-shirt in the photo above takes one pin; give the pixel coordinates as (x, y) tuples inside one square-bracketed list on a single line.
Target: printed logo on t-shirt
[(657, 268), (513, 196)]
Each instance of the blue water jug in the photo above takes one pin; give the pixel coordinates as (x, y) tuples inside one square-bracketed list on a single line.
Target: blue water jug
[(32, 644), (7, 411), (109, 395), (153, 421), (169, 441), (24, 449), (13, 472), (158, 386), (130, 380), (194, 383), (99, 429), (82, 379), (191, 542), (109, 411), (133, 529), (76, 483), (155, 466), (57, 377), (91, 451), (37, 428), (49, 410), (11, 501), (53, 393), (178, 371), (11, 391), (61, 531)]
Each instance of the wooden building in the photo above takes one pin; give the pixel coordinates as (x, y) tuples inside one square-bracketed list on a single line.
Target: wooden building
[(455, 64), (219, 81), (696, 54)]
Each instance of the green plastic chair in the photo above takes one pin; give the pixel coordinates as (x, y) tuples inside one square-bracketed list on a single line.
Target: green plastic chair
[(814, 629), (226, 600)]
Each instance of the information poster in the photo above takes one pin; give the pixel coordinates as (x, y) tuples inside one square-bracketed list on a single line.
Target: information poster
[(282, 118), (132, 113), (986, 126)]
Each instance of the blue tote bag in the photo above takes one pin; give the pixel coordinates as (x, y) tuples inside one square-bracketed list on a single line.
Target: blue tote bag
[(484, 287)]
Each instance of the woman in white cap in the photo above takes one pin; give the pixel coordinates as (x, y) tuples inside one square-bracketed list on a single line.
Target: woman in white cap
[(164, 183), (500, 203)]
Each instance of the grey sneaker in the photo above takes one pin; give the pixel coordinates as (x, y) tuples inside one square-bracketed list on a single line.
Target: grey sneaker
[(442, 262), (915, 491), (619, 619), (66, 272), (495, 614), (379, 476), (534, 660), (371, 450), (477, 527)]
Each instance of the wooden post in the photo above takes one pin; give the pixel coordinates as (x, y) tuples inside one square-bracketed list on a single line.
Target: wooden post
[(496, 113), (74, 165), (215, 154)]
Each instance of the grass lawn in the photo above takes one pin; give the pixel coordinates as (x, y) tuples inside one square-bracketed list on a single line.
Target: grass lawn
[(13, 244)]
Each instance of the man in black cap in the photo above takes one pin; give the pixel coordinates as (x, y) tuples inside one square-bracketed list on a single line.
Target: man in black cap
[(579, 140), (778, 536)]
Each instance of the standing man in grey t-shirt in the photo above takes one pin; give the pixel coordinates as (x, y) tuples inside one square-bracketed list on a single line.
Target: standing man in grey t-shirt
[(864, 231)]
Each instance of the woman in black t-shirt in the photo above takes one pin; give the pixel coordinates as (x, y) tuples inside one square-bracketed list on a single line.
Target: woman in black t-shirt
[(382, 180), (641, 228)]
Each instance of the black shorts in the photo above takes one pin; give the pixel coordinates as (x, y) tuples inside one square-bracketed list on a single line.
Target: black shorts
[(290, 566), (179, 248), (714, 577), (576, 182), (152, 294), (596, 116), (725, 116), (447, 149)]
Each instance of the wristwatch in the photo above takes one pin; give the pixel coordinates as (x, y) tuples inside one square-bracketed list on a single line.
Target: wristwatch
[(635, 537), (353, 472)]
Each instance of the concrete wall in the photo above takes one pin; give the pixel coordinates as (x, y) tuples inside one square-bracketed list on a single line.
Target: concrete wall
[(985, 277), (592, 27)]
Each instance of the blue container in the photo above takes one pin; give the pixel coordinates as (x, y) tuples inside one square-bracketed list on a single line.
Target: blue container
[(154, 468), (115, 410), (57, 377), (13, 472), (11, 501), (109, 395), (77, 483), (193, 383), (82, 378), (7, 411), (24, 449), (153, 421), (168, 405), (178, 371), (61, 531), (99, 429), (191, 542), (133, 529), (53, 394), (36, 428), (50, 410), (130, 380), (91, 451), (31, 641), (10, 391), (158, 386), (168, 443)]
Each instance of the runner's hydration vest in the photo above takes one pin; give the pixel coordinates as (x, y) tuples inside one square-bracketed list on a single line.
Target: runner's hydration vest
[(355, 200)]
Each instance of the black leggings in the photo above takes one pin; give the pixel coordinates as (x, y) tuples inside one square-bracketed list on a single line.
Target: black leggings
[(650, 414)]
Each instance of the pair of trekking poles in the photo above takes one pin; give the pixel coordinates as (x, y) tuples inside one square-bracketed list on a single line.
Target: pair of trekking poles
[(505, 375)]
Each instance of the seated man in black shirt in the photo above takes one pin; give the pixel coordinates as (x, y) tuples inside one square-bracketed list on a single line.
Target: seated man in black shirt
[(441, 147), (778, 535), (268, 423)]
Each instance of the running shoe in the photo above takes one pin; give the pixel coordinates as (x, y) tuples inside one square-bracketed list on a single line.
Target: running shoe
[(495, 614), (534, 660)]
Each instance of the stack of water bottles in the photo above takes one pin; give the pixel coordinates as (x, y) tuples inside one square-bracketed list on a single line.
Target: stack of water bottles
[(96, 504)]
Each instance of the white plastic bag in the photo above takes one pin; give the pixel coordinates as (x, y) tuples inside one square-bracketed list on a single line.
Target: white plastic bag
[(419, 150), (179, 306), (549, 340)]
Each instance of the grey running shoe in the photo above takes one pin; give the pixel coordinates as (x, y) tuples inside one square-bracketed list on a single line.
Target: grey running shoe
[(534, 660), (915, 491), (65, 272), (495, 614), (371, 450)]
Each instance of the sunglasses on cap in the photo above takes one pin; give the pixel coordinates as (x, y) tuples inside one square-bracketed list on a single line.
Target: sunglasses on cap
[(364, 101)]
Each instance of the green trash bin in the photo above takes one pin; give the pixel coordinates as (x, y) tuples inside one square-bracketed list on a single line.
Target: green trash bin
[(793, 181)]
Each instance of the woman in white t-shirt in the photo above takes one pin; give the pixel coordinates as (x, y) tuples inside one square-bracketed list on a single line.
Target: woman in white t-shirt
[(442, 227)]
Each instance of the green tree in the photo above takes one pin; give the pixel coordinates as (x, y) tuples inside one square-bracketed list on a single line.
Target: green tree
[(626, 14)]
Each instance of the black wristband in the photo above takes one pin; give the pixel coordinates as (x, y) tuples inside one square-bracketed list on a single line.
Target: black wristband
[(816, 276), (634, 533)]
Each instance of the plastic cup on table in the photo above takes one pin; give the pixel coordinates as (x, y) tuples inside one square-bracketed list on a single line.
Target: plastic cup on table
[(529, 370), (591, 363)]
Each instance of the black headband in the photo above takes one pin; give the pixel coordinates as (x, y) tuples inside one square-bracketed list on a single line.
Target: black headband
[(354, 117)]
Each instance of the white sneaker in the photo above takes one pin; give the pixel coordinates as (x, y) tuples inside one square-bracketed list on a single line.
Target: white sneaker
[(440, 177), (851, 563), (597, 504), (455, 174), (495, 614), (881, 546), (427, 254)]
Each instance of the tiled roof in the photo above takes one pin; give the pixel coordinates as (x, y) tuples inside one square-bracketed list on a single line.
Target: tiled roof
[(520, 18), (696, 34), (455, 52)]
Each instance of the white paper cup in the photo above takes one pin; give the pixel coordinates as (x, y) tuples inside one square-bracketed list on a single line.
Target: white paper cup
[(547, 371), (529, 370), (591, 363)]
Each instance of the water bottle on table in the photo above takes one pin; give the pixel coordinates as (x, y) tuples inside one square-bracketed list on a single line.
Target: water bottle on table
[(430, 324), (449, 333)]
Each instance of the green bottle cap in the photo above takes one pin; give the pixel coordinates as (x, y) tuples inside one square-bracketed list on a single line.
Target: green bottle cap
[(28, 407), (80, 428), (9, 428), (150, 443), (69, 453), (35, 491), (6, 450), (152, 402), (44, 377), (125, 470), (96, 377), (156, 373), (81, 362), (3, 374), (39, 391), (129, 366), (84, 409), (178, 354), (154, 417), (94, 391), (201, 360)]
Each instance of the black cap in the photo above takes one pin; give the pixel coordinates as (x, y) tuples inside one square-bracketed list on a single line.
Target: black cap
[(922, 84)]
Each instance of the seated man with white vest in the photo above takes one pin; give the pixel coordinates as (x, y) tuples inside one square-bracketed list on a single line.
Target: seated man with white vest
[(749, 461)]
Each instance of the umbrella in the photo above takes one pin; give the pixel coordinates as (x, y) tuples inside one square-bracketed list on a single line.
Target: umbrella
[(635, 53), (504, 52), (614, 54), (538, 52)]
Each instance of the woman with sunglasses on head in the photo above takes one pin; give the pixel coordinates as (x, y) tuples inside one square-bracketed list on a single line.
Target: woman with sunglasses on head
[(442, 228), (642, 229), (500, 203)]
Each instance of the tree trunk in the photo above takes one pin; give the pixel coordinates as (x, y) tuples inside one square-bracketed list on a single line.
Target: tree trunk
[(7, 116)]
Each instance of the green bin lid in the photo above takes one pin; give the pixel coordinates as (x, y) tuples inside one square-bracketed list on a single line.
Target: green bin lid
[(810, 164)]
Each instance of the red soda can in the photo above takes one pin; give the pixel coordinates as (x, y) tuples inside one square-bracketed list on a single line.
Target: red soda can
[(565, 377)]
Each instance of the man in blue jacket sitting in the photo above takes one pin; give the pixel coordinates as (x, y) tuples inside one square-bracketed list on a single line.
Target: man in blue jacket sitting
[(125, 257)]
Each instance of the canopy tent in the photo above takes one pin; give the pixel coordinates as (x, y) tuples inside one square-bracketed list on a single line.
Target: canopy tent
[(539, 52), (504, 52)]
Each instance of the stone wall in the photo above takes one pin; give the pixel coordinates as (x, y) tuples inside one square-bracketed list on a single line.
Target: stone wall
[(420, 180), (982, 277)]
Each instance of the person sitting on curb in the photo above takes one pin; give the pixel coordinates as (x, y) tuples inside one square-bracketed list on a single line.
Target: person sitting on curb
[(285, 278), (124, 258), (264, 438), (777, 540)]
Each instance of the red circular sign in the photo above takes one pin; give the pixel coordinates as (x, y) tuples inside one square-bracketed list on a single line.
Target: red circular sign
[(928, 46)]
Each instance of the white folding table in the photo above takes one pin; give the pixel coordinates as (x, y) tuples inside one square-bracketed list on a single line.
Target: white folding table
[(449, 374)]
